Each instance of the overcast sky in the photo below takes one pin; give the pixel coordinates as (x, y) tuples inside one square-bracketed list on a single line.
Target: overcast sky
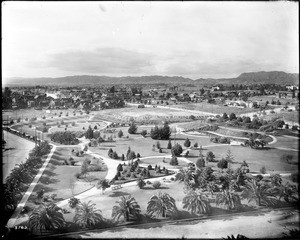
[(190, 39)]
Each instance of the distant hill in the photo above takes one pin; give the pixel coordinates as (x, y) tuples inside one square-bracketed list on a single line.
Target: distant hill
[(99, 80), (276, 77)]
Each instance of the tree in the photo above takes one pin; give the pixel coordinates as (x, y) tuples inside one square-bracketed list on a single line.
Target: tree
[(187, 177), (224, 116), (144, 133), (103, 184), (89, 133), (131, 155), (288, 192), (232, 116), (155, 133), (229, 157), (196, 203), (169, 146), (46, 217), (176, 149), (187, 143), (258, 192), (161, 205), (200, 163), (133, 128), (210, 157), (228, 199), (84, 168), (128, 208), (141, 183), (120, 134), (86, 215), (174, 161), (158, 145), (120, 168)]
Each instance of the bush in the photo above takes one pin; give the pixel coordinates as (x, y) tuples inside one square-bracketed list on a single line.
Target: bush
[(263, 170), (169, 146), (176, 149), (174, 161), (200, 163), (156, 184), (144, 133), (222, 164), (132, 129)]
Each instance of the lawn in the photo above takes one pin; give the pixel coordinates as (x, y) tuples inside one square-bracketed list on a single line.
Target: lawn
[(272, 97), (58, 178), (163, 162), (256, 159), (214, 108), (142, 115)]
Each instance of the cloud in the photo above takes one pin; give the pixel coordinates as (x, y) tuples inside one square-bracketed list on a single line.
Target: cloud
[(101, 61)]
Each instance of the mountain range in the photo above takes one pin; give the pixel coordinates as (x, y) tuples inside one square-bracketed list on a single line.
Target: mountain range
[(273, 77)]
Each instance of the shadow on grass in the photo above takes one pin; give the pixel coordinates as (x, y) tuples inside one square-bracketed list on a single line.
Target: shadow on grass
[(47, 180), (152, 188), (49, 173), (118, 194)]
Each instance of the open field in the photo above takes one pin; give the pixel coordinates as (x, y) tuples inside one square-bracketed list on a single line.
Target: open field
[(143, 115), (256, 159), (273, 97), (59, 178), (214, 108)]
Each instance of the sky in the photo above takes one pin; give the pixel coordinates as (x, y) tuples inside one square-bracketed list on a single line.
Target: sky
[(189, 39)]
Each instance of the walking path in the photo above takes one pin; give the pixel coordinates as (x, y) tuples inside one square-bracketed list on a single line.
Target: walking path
[(13, 221)]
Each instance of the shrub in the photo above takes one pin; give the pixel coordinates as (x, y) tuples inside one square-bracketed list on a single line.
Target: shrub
[(156, 184), (174, 161), (132, 129), (176, 149), (210, 157), (195, 144), (131, 155), (263, 170), (222, 164), (144, 133), (187, 143), (200, 163), (120, 134), (160, 150)]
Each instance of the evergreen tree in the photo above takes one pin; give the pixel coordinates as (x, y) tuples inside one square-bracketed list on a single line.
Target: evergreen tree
[(154, 134), (132, 129), (169, 144), (89, 133), (187, 143)]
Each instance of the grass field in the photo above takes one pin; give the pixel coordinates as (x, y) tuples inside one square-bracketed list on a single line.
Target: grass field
[(57, 178), (214, 108), (142, 115), (272, 97)]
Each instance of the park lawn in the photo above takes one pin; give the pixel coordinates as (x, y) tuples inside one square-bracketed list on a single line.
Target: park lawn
[(57, 178), (142, 115), (214, 108), (166, 164), (287, 142), (272, 97), (256, 159), (79, 126), (292, 116)]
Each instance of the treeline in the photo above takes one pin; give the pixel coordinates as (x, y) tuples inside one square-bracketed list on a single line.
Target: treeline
[(21, 176)]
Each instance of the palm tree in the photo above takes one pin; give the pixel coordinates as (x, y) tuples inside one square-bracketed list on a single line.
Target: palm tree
[(288, 192), (196, 203), (86, 215), (187, 177), (229, 200), (127, 208), (259, 192), (162, 204), (47, 217)]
